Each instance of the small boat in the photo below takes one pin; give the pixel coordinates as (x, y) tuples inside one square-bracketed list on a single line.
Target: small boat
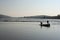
[(46, 25)]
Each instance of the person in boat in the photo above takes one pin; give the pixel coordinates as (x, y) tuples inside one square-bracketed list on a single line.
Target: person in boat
[(47, 22)]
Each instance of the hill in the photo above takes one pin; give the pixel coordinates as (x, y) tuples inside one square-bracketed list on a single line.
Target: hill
[(44, 17), (5, 18)]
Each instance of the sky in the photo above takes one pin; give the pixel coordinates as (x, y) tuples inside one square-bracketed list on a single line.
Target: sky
[(19, 8)]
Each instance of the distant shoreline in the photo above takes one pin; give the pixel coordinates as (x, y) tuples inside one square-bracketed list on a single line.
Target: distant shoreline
[(4, 18), (26, 21)]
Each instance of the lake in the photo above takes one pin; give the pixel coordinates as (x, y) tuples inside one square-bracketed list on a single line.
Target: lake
[(30, 30)]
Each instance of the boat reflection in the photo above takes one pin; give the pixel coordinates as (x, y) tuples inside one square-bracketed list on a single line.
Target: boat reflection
[(45, 26)]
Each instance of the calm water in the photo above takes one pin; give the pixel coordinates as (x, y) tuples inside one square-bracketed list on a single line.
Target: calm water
[(29, 31)]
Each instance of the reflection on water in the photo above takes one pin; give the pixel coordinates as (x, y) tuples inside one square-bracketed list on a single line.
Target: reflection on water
[(45, 26), (29, 31)]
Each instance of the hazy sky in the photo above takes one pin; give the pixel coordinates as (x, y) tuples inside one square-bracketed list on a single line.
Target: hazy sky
[(29, 7)]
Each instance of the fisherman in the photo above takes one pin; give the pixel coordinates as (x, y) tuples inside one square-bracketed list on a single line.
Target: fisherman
[(47, 22)]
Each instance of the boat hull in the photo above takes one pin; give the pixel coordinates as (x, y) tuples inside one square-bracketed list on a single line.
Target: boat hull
[(45, 25)]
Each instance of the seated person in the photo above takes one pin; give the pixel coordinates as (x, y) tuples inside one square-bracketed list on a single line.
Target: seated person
[(47, 22)]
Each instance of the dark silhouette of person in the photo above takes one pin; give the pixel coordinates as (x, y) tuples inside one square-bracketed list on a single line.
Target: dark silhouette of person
[(47, 21)]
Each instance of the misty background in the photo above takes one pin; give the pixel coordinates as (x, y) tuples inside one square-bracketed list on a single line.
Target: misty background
[(20, 8)]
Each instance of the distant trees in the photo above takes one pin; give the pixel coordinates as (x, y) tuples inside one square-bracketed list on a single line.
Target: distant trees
[(58, 15)]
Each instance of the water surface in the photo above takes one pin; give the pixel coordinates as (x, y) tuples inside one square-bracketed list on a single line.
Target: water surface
[(29, 31)]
